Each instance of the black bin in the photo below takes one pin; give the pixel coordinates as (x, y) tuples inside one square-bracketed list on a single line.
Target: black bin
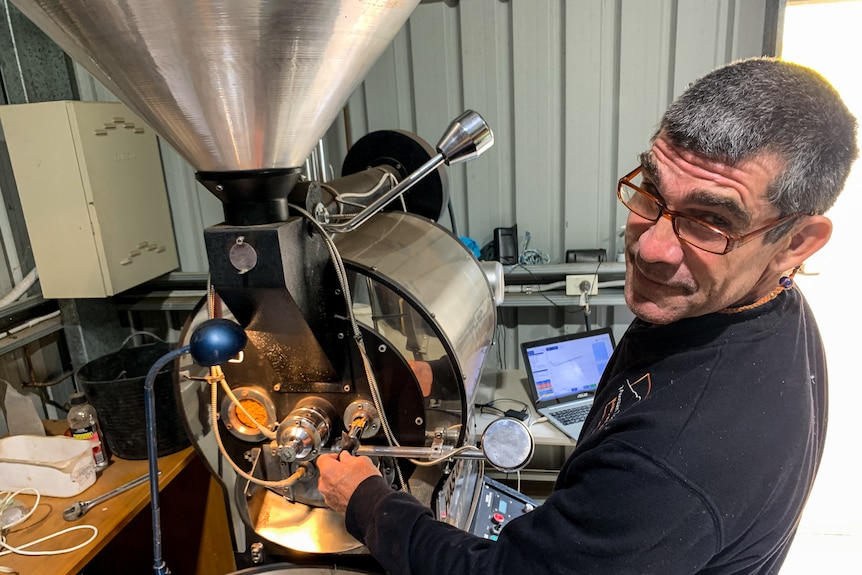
[(114, 385)]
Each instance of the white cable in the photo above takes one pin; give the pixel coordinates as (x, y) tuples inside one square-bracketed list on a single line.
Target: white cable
[(214, 414), (8, 549), (441, 459), (9, 245), (20, 289), (538, 288), (342, 199), (10, 496), (529, 288), (384, 178), (274, 484), (341, 273), (15, 51), (137, 333), (20, 550), (31, 323)]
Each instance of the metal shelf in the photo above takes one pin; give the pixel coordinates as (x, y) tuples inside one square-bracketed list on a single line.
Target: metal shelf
[(550, 273), (521, 273), (609, 297), (23, 337), (185, 300)]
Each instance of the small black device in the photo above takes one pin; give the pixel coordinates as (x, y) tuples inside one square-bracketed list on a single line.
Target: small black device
[(506, 245), (592, 256)]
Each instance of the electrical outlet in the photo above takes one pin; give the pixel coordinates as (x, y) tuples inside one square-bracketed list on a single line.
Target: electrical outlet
[(586, 284)]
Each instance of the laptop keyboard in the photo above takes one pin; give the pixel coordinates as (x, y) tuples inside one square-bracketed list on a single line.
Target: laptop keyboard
[(572, 414)]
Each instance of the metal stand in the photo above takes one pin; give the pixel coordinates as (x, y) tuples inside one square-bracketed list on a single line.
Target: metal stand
[(214, 342), (159, 566)]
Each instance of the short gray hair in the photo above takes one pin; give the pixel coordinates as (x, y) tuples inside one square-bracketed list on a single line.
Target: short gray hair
[(764, 106)]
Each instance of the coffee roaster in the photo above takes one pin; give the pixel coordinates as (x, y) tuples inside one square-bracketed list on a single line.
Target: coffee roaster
[(371, 339), (367, 322)]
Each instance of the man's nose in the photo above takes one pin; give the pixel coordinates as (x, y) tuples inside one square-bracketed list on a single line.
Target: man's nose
[(659, 243)]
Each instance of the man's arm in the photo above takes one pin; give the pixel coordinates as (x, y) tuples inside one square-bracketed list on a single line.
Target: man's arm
[(618, 513)]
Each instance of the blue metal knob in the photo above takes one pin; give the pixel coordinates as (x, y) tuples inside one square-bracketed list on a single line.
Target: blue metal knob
[(215, 341)]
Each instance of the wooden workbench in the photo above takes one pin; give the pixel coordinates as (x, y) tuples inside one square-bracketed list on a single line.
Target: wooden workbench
[(195, 532)]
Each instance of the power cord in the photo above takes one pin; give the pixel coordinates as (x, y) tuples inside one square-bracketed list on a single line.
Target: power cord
[(521, 414), (531, 256), (7, 502), (542, 419), (529, 271), (587, 307)]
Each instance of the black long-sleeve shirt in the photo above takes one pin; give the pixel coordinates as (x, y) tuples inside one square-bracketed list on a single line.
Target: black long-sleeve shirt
[(697, 457)]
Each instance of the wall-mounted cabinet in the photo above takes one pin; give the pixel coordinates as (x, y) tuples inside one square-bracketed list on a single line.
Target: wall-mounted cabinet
[(93, 194)]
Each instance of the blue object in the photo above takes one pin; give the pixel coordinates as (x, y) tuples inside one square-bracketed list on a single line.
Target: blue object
[(471, 245), (215, 341), (159, 566)]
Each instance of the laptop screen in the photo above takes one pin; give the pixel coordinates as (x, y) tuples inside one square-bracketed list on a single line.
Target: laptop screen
[(567, 364)]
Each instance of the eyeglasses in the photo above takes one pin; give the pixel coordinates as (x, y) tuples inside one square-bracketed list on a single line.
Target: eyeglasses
[(687, 228)]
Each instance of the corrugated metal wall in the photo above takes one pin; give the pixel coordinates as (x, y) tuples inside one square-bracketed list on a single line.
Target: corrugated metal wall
[(572, 90)]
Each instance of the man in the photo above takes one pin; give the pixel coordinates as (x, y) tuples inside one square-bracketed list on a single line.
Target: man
[(709, 421)]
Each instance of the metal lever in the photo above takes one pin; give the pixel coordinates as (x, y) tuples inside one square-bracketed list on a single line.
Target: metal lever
[(467, 137), (507, 444), (350, 439), (79, 508)]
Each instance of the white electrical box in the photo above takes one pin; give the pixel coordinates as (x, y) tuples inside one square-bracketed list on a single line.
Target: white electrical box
[(90, 180), (585, 284)]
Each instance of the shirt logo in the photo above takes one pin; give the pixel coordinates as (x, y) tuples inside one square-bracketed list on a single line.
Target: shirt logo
[(628, 394)]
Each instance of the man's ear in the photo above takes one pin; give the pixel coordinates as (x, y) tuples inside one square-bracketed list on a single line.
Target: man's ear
[(809, 234)]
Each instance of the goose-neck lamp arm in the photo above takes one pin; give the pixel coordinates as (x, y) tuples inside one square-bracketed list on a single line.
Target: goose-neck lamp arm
[(212, 343)]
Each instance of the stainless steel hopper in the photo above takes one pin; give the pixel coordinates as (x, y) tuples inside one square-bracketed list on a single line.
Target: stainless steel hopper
[(232, 85)]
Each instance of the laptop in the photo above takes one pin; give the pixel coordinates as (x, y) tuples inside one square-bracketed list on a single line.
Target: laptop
[(563, 373)]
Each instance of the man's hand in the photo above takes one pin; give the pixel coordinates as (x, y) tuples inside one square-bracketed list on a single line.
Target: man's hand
[(424, 375), (340, 475)]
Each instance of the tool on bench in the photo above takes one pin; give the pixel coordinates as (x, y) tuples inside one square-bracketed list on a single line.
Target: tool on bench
[(79, 508)]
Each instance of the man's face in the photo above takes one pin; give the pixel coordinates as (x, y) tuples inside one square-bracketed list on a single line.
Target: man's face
[(668, 279)]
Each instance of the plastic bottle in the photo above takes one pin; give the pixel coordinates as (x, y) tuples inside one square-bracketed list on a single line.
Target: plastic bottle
[(84, 424)]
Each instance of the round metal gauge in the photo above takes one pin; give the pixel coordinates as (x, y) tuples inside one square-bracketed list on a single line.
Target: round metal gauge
[(507, 444)]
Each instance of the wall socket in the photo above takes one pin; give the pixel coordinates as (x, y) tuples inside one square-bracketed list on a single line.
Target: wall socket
[(582, 284)]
